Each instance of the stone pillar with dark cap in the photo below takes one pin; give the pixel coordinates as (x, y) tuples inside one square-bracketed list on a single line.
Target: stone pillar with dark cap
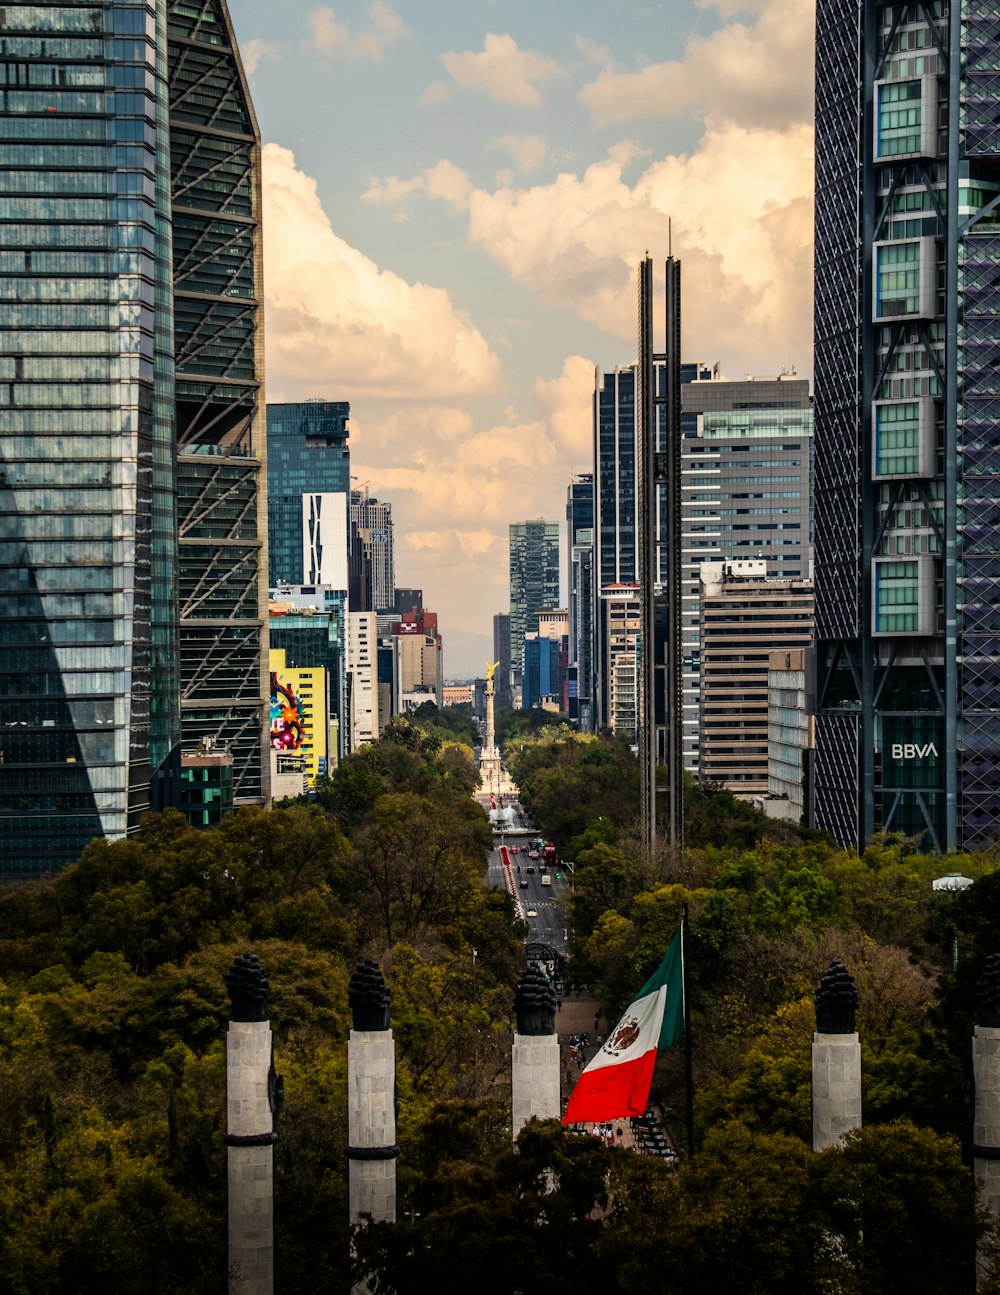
[(986, 1073), (535, 1055), (253, 1100), (371, 1103), (836, 1059)]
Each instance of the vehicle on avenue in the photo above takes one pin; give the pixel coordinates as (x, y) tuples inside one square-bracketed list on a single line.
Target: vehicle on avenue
[(531, 869), (523, 883), (531, 913), (546, 879)]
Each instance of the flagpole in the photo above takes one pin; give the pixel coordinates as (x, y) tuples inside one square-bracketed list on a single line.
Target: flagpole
[(687, 1034)]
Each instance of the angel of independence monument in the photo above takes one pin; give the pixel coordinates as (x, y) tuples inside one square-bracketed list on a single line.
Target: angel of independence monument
[(493, 777)]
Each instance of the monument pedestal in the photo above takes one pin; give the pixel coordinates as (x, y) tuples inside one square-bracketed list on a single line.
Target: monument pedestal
[(371, 1124), (250, 1137), (836, 1087), (534, 1079)]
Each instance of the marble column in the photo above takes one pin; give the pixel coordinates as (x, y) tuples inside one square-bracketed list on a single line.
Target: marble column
[(253, 1100), (836, 1059), (986, 1074), (535, 1054), (371, 1109)]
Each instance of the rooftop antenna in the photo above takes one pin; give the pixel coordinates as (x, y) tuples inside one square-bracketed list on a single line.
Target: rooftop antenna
[(670, 236)]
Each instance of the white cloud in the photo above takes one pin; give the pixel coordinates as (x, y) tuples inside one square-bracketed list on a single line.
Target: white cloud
[(254, 52), (336, 320), (742, 224), (444, 180), (527, 151), (456, 484), (500, 70), (366, 44), (756, 73)]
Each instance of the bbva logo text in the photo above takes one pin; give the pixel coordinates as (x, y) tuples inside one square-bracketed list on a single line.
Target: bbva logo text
[(912, 750)]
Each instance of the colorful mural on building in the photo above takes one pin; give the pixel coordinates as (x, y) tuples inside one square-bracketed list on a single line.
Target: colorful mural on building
[(287, 716)]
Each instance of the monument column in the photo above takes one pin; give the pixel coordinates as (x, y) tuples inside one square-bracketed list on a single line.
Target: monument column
[(254, 1094), (986, 1073), (836, 1059), (490, 772), (371, 1109), (535, 1055)]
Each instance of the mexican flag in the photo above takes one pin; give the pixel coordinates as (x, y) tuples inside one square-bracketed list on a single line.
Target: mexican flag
[(493, 801), (616, 1082)]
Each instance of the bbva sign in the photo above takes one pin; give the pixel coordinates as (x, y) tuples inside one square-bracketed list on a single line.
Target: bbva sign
[(912, 750)]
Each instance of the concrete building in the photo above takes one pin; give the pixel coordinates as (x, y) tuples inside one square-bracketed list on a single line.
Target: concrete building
[(744, 618), (132, 500), (372, 579), (621, 618), (300, 715), (746, 493), (362, 673), (907, 423), (790, 735)]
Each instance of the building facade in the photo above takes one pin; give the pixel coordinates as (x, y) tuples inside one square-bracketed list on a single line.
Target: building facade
[(372, 561), (218, 300), (534, 582), (744, 618), (746, 494), (501, 654), (907, 601), (790, 735), (90, 730), (308, 486)]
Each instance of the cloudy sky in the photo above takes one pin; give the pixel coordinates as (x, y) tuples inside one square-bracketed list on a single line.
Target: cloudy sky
[(456, 196)]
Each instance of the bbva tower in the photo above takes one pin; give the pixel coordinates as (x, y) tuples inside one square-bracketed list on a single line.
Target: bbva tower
[(132, 492), (907, 420)]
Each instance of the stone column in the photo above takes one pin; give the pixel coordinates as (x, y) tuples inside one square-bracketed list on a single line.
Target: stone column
[(986, 1074), (836, 1059), (490, 742), (253, 1100), (371, 1109), (535, 1055)]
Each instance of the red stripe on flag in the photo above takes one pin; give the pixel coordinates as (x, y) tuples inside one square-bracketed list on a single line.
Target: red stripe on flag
[(612, 1092)]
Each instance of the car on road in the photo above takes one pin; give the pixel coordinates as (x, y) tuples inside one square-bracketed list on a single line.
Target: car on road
[(524, 883), (531, 913), (532, 854), (530, 869), (546, 879)]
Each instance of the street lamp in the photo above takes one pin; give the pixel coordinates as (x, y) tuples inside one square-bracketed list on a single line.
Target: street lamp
[(952, 883)]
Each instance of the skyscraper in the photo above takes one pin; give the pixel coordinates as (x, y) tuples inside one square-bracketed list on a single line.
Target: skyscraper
[(580, 589), (907, 422), (746, 456), (372, 560), (534, 582), (501, 655), (218, 297), (308, 486), (128, 296)]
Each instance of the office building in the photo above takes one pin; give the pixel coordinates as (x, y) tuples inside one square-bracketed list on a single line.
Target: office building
[(129, 293), (580, 591), (746, 494), (300, 711), (534, 582), (218, 309), (372, 580), (308, 486), (908, 660), (545, 664), (308, 623), (621, 618), (745, 616), (501, 655), (362, 679), (790, 735)]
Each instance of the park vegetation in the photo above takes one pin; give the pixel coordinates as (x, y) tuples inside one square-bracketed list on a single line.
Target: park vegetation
[(113, 1017)]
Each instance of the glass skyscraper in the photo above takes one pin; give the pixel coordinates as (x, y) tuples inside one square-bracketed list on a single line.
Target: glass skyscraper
[(91, 237), (534, 582), (308, 472), (907, 432)]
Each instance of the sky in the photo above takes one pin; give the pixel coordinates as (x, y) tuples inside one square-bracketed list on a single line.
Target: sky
[(457, 194)]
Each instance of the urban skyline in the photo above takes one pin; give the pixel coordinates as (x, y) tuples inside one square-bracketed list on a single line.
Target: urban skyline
[(433, 297)]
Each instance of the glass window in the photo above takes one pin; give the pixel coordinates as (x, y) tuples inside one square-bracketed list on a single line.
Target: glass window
[(898, 119), (896, 598)]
